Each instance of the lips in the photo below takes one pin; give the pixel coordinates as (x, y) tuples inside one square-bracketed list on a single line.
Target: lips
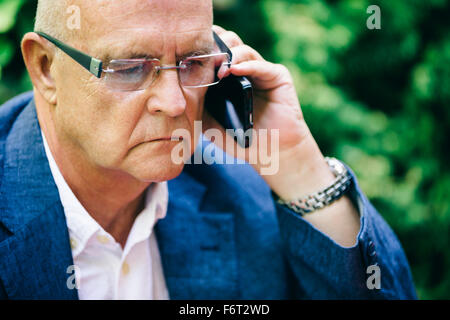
[(172, 138), (162, 139), (169, 138)]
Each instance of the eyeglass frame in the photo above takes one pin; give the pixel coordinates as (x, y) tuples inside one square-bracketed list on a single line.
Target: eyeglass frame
[(95, 66)]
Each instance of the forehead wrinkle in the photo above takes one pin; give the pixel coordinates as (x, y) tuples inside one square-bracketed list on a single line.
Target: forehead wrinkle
[(162, 15), (199, 43), (156, 45), (107, 17), (163, 32)]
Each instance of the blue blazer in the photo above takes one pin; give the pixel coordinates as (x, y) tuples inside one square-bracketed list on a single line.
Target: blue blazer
[(223, 237)]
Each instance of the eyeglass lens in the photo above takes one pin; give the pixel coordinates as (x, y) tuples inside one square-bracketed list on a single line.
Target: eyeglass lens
[(129, 75)]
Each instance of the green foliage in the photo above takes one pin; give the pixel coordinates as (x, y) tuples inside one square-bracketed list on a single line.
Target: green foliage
[(16, 18), (378, 99)]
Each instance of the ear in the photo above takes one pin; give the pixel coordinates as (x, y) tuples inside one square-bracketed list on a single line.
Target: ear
[(38, 56)]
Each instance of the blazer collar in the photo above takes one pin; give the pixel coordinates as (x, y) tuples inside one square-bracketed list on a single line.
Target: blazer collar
[(26, 173), (35, 258)]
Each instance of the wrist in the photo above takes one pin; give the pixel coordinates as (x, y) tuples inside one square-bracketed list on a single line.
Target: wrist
[(303, 170), (322, 198)]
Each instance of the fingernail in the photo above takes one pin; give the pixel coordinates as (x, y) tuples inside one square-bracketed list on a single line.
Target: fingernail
[(223, 73)]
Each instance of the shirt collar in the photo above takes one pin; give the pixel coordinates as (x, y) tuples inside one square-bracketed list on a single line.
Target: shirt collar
[(82, 227)]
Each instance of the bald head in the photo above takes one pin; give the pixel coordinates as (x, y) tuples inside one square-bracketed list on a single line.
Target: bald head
[(52, 15)]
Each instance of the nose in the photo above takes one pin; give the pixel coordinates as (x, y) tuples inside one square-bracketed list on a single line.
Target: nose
[(167, 94)]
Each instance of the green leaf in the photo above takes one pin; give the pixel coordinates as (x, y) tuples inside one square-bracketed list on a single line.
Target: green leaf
[(8, 12)]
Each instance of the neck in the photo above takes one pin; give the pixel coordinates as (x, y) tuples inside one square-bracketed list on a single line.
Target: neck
[(113, 198)]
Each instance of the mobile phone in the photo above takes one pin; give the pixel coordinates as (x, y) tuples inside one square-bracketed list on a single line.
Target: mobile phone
[(230, 102)]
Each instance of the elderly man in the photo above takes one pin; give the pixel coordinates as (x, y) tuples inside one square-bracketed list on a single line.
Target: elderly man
[(94, 207)]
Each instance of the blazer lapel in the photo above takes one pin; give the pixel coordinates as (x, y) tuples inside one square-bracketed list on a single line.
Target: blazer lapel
[(196, 244), (35, 257)]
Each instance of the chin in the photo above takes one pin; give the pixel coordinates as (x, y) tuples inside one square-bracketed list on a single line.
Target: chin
[(157, 171), (152, 162)]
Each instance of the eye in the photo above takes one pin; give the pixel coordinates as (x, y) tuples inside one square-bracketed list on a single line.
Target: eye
[(194, 62), (130, 70)]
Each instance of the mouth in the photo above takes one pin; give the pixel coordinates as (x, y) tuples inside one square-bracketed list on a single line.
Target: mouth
[(172, 138), (162, 139)]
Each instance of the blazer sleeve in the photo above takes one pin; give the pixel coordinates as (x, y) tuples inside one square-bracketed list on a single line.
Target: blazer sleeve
[(325, 270)]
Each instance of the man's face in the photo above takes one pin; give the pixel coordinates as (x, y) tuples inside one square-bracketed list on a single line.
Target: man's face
[(117, 130)]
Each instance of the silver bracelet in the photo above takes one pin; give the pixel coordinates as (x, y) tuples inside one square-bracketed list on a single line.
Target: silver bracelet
[(324, 197)]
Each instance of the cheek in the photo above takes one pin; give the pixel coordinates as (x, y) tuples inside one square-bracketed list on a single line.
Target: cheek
[(113, 122), (194, 112), (96, 121), (195, 98)]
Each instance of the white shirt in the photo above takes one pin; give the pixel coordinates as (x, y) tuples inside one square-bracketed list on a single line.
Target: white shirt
[(102, 269)]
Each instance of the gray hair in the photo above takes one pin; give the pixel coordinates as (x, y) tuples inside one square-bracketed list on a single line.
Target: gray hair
[(50, 16)]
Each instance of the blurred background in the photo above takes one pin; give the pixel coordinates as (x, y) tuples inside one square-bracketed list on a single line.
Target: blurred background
[(377, 99)]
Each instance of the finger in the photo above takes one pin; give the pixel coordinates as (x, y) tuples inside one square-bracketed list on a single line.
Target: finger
[(231, 39), (244, 53), (218, 29), (263, 74), (240, 54)]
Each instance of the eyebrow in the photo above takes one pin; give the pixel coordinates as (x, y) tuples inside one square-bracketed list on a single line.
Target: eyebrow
[(140, 55)]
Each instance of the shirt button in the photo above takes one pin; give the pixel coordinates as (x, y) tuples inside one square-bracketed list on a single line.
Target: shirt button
[(125, 268), (102, 239), (73, 243)]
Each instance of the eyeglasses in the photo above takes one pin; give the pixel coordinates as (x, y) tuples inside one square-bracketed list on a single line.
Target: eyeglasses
[(138, 74)]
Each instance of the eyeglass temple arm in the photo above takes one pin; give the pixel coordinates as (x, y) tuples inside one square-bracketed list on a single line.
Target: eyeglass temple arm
[(222, 46), (93, 65)]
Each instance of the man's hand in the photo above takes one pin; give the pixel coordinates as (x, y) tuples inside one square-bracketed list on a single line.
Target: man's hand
[(276, 105), (302, 167)]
